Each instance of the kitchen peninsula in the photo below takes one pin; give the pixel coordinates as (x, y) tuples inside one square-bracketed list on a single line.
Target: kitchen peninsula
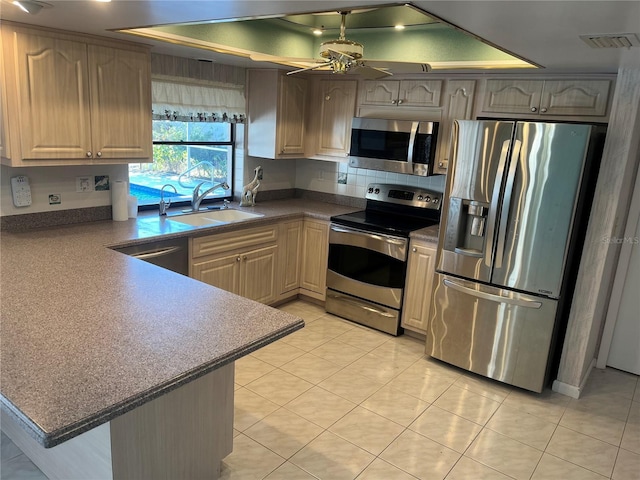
[(106, 355)]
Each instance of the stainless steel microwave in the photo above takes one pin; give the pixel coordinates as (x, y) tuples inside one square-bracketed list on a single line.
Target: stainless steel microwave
[(400, 146)]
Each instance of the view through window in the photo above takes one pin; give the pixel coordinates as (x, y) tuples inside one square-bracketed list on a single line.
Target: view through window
[(185, 154)]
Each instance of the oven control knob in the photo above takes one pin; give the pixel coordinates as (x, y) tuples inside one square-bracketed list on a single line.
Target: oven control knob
[(376, 191), (419, 197), (427, 198), (436, 200), (370, 190)]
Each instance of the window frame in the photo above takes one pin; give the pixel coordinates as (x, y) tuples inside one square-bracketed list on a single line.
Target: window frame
[(230, 143)]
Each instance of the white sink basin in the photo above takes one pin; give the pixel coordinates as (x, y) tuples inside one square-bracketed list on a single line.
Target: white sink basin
[(216, 217)]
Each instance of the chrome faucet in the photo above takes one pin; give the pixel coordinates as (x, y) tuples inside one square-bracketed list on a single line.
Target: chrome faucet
[(198, 197), (164, 205)]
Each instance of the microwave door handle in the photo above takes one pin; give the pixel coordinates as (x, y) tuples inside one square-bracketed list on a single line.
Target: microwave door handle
[(506, 202), (493, 208), (412, 141)]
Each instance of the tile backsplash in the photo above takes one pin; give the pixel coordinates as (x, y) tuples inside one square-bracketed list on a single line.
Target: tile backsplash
[(341, 179)]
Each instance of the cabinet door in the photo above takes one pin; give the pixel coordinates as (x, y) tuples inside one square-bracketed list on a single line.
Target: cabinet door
[(315, 246), (458, 105), (336, 111), (512, 96), (419, 93), (290, 239), (4, 124), (291, 115), (222, 272), (258, 274), (120, 103), (417, 299), (53, 97), (380, 92), (575, 97)]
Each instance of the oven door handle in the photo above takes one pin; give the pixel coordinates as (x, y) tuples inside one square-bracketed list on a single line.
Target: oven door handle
[(395, 247)]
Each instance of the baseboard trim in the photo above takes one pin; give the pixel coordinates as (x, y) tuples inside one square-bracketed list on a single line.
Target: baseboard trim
[(573, 391)]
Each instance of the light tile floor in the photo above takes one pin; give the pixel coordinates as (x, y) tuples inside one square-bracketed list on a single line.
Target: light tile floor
[(339, 401)]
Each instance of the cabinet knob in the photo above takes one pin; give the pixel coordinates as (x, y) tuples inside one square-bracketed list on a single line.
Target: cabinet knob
[(327, 97), (534, 109), (399, 102), (543, 109), (244, 259), (393, 102), (88, 154), (414, 249), (237, 259), (99, 154)]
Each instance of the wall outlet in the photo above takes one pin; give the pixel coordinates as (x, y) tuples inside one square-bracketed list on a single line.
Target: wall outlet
[(85, 184), (55, 199)]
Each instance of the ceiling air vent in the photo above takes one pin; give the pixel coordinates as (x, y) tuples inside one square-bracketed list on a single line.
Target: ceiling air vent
[(612, 40)]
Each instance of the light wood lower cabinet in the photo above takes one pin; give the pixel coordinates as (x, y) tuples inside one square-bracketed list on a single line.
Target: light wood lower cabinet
[(418, 285), (315, 250), (289, 257), (268, 264), (242, 262)]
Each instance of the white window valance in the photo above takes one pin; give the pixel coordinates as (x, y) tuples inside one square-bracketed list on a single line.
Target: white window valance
[(193, 100)]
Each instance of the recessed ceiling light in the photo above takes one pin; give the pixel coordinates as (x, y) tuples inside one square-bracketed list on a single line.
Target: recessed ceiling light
[(399, 27), (317, 31), (103, 1), (31, 6)]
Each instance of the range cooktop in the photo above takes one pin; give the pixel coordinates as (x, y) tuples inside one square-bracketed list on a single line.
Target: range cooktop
[(395, 209)]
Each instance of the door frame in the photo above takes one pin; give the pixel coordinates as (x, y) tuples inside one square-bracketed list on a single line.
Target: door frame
[(620, 276)]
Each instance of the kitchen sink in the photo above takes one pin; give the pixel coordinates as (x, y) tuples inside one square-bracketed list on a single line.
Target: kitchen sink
[(210, 219)]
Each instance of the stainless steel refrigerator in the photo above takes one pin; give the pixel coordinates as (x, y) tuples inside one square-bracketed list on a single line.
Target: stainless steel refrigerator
[(516, 204)]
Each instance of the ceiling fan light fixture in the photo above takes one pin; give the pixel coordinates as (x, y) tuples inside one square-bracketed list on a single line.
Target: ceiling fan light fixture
[(345, 47)]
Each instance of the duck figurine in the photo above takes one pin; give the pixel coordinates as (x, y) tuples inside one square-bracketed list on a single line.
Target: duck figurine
[(250, 190)]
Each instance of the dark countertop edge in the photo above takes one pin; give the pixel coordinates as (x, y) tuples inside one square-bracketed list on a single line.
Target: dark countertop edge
[(49, 440)]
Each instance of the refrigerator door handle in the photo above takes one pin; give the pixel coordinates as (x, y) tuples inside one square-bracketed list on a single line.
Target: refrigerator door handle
[(412, 141), (493, 208), (506, 202), (519, 302)]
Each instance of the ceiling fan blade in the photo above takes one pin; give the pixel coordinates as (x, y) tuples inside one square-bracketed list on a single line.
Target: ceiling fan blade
[(308, 68), (370, 73), (398, 67), (264, 57)]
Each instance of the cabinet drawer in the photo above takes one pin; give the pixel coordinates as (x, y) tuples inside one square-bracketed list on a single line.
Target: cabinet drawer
[(230, 241)]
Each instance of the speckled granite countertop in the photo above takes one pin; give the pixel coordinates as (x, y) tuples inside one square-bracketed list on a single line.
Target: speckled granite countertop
[(429, 234), (88, 333)]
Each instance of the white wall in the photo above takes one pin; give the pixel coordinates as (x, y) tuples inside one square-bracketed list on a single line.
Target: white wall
[(45, 181)]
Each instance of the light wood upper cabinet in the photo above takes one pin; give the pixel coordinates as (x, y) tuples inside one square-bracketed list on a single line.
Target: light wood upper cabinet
[(418, 286), (566, 97), (458, 105), (120, 117), (332, 107), (276, 114), (75, 102), (409, 93)]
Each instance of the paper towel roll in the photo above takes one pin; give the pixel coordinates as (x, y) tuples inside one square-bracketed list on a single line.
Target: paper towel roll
[(119, 200)]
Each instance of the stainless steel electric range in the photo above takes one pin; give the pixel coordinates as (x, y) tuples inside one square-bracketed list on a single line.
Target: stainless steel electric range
[(368, 254)]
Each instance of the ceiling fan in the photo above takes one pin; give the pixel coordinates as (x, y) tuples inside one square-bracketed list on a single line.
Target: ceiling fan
[(346, 56)]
